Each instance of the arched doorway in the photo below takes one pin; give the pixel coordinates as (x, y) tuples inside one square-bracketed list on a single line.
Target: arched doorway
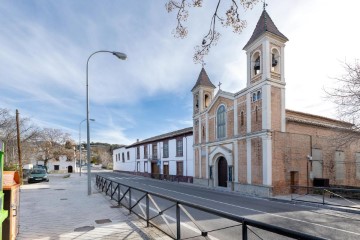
[(70, 169), (222, 172)]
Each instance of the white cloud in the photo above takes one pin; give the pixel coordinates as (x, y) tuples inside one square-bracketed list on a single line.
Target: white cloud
[(45, 47)]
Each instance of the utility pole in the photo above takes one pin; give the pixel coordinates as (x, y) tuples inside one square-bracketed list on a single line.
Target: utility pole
[(19, 146)]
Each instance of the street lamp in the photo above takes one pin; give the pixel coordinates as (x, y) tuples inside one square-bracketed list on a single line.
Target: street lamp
[(80, 141), (121, 56)]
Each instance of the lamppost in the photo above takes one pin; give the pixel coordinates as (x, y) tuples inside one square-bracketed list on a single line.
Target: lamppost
[(80, 141), (121, 56)]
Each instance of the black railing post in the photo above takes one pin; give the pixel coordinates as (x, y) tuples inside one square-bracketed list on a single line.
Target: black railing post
[(119, 186), (176, 202), (111, 192), (147, 210), (178, 230), (129, 200), (244, 231)]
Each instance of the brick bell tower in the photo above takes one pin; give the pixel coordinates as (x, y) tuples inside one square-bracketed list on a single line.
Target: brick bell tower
[(203, 93), (265, 75)]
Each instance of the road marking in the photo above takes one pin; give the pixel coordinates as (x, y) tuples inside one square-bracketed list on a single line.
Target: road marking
[(122, 178), (255, 210), (157, 209)]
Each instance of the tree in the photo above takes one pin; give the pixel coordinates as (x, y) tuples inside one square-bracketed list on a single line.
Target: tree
[(53, 143), (28, 133), (231, 19), (347, 98), (41, 144)]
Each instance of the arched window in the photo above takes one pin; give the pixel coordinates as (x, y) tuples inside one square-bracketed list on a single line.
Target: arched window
[(221, 125), (256, 63), (196, 101), (254, 97), (258, 95), (275, 58), (206, 100)]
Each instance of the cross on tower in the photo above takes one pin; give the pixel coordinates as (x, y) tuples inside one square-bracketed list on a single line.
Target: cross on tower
[(219, 85), (264, 5)]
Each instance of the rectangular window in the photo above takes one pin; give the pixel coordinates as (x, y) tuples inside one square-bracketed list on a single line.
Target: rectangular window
[(339, 165), (128, 155), (179, 168), (154, 151), (357, 165), (145, 151), (138, 166), (116, 156), (138, 152), (316, 163), (56, 167), (166, 149), (230, 174), (179, 147), (145, 166), (123, 157)]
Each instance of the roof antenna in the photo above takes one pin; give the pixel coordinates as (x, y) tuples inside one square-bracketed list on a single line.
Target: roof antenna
[(264, 5)]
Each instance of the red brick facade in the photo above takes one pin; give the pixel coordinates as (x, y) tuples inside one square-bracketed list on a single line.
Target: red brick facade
[(267, 148)]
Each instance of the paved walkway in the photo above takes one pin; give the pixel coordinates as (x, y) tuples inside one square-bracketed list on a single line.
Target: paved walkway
[(335, 203), (61, 209)]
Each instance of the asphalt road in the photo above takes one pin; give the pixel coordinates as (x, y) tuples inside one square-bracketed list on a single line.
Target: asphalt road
[(318, 222)]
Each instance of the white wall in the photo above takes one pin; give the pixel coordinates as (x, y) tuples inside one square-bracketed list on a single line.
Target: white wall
[(127, 165), (63, 164), (130, 165)]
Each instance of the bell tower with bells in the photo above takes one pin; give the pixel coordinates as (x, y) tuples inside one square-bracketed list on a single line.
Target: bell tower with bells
[(203, 92), (265, 71)]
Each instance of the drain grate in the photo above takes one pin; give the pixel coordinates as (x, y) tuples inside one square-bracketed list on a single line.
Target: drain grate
[(84, 229), (102, 221), (59, 189), (63, 199)]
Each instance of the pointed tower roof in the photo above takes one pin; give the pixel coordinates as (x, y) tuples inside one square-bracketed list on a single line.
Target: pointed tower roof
[(265, 24), (203, 80)]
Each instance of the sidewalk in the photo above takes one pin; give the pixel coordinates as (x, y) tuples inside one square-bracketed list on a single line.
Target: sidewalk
[(333, 203), (61, 209)]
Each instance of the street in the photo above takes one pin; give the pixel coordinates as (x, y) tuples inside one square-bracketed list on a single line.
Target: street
[(318, 222)]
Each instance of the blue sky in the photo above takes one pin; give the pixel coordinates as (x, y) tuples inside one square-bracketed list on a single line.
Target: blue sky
[(45, 45)]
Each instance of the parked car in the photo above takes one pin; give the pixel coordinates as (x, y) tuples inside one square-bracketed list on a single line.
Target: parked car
[(41, 167), (38, 175)]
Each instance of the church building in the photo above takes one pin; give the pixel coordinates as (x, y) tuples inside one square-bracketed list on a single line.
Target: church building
[(248, 142)]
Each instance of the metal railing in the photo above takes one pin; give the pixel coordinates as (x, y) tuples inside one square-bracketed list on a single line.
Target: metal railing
[(343, 197), (172, 178), (185, 220)]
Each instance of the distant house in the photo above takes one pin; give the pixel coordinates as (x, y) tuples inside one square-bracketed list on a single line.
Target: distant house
[(167, 156), (63, 165)]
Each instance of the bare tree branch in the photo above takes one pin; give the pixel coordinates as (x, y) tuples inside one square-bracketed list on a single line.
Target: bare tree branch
[(233, 20), (347, 98)]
